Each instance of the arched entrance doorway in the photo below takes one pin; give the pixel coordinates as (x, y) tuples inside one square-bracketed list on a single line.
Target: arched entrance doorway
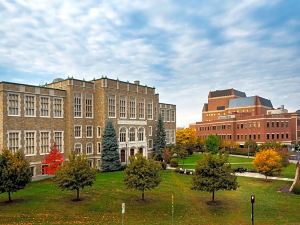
[(123, 156), (132, 152), (141, 150)]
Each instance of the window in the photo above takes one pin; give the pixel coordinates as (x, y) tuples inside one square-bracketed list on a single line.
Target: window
[(58, 139), (141, 107), (14, 141), (277, 136), (13, 105), (29, 142), (162, 113), (273, 136), (150, 111), (268, 136), (44, 142), (32, 170), (98, 132), (122, 107), (272, 124), (29, 105), (89, 106), (77, 105), (150, 130), (91, 162), (282, 136), (122, 135), (77, 131), (286, 135), (99, 147), (286, 124), (277, 124), (141, 132), (89, 131), (132, 134), (78, 148), (168, 115), (268, 124), (132, 108), (45, 106), (112, 106), (57, 108), (122, 155), (172, 136), (258, 136), (150, 143), (172, 115), (89, 148), (132, 152)]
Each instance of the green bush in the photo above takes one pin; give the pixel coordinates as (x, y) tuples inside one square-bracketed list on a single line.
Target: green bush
[(296, 189), (174, 162)]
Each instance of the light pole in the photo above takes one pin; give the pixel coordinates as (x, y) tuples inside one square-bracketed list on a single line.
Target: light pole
[(126, 153), (252, 211)]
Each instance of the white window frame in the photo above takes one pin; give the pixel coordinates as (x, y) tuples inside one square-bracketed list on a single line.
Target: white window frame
[(34, 108), (122, 98), (92, 148), (92, 129), (111, 109), (150, 131), (77, 137), (132, 108), (77, 105), (34, 142), (98, 132), (91, 98), (150, 140), (99, 149), (62, 139), (121, 141), (19, 140), (139, 134), (141, 110), (78, 143), (150, 111), (129, 134), (18, 102), (41, 108), (40, 141), (54, 109)]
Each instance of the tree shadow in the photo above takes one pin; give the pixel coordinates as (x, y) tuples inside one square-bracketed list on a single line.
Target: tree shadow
[(13, 202)]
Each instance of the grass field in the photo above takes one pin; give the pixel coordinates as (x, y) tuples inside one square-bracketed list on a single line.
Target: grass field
[(191, 161), (42, 203)]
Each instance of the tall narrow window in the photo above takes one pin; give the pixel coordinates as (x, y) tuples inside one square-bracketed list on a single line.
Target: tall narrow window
[(99, 147), (112, 106), (44, 142), (122, 135), (141, 108), (30, 142), (58, 139), (89, 131), (150, 143), (29, 105), (168, 115), (77, 105), (162, 113), (132, 134), (98, 132), (150, 130), (172, 115), (132, 108), (45, 105), (150, 111), (13, 104), (57, 108), (89, 148), (14, 141), (89, 106), (141, 133), (122, 107)]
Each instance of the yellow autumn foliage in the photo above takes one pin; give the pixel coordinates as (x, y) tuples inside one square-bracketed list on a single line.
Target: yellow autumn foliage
[(267, 162), (186, 137)]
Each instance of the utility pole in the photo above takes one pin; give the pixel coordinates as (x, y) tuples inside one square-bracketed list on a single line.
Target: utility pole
[(252, 211)]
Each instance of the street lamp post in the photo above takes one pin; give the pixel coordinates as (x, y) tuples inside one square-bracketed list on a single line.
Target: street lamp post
[(126, 153), (252, 212)]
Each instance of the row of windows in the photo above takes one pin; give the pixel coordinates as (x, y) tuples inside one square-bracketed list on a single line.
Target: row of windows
[(78, 132), (277, 124), (31, 143), (78, 105), (136, 109), (89, 148), (253, 136), (230, 111), (170, 136), (277, 136), (167, 115), (133, 134), (30, 105)]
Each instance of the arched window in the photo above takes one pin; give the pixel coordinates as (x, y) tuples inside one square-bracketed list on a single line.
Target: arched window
[(141, 150), (122, 155), (122, 134), (141, 134), (77, 148), (132, 152), (132, 134)]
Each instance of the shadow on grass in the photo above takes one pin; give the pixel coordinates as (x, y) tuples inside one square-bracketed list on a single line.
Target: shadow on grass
[(13, 202)]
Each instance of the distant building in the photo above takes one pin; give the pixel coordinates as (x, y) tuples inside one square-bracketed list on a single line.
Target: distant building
[(235, 117), (73, 113)]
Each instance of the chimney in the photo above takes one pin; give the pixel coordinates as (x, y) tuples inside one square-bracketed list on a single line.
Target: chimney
[(137, 82)]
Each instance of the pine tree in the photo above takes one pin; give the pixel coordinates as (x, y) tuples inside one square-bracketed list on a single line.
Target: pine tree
[(15, 172), (212, 143), (75, 174), (110, 149), (213, 173), (160, 139), (142, 174)]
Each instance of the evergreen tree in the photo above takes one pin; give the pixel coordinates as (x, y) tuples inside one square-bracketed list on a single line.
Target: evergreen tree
[(75, 174), (213, 173), (15, 172), (142, 174), (212, 143), (160, 139), (110, 149)]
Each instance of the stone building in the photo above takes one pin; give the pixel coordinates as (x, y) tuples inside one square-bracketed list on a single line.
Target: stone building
[(235, 117), (73, 113)]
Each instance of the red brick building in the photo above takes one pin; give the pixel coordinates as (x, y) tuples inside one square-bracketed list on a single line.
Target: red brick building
[(235, 117)]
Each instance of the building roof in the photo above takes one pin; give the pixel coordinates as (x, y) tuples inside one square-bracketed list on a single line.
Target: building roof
[(226, 92), (205, 107), (298, 111), (249, 101)]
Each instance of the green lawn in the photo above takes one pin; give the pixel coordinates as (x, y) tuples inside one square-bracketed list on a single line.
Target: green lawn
[(42, 203), (191, 161)]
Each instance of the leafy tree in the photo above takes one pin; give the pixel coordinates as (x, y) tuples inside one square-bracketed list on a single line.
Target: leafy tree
[(182, 154), (167, 154), (110, 149), (212, 143), (75, 174), (142, 174), (15, 172), (53, 160), (160, 139), (271, 145), (214, 173), (267, 162), (187, 138)]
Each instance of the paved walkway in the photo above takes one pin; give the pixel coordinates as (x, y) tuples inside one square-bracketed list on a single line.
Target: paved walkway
[(193, 164)]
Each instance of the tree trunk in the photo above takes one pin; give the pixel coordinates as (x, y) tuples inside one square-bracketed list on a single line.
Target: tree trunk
[(77, 198), (297, 177), (9, 196), (266, 177), (213, 196), (143, 195)]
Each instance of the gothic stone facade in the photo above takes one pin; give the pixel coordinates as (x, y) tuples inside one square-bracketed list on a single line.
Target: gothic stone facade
[(73, 113)]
